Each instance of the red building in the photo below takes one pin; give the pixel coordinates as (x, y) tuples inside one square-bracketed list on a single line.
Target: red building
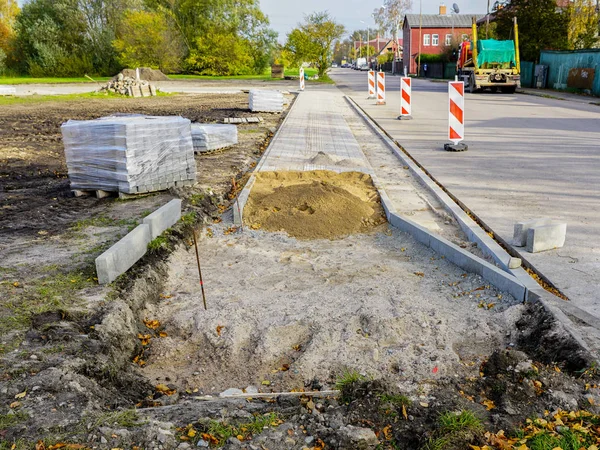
[(432, 33)]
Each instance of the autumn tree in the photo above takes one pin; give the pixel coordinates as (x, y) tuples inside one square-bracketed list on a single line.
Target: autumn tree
[(146, 39), (8, 13), (312, 41), (541, 26), (584, 19), (221, 37), (389, 16)]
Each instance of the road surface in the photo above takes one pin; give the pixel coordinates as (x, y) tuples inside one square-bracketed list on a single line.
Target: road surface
[(528, 157)]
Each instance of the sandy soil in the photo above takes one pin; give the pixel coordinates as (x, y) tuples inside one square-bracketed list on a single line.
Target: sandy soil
[(317, 204), (283, 312)]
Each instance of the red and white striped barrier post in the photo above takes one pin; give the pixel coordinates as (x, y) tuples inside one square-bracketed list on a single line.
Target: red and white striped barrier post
[(456, 116), (405, 98), (301, 78), (371, 81), (380, 88)]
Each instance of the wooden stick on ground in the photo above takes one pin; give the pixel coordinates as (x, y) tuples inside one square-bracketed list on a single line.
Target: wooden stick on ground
[(199, 269)]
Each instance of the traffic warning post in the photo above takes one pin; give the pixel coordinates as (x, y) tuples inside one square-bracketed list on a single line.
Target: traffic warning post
[(456, 117), (380, 88), (371, 83), (301, 78), (405, 98)]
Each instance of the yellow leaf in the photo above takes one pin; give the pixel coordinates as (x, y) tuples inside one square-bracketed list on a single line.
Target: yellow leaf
[(593, 447), (404, 414), (152, 324), (14, 405), (475, 447), (424, 405), (40, 445), (489, 404), (162, 334), (240, 437), (191, 432), (419, 274), (22, 394), (266, 383), (219, 329)]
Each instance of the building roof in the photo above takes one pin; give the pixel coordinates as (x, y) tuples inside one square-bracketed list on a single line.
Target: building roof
[(438, 21)]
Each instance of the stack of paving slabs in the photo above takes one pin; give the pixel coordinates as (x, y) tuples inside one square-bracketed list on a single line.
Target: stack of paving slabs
[(266, 101), (130, 87), (129, 154), (208, 137)]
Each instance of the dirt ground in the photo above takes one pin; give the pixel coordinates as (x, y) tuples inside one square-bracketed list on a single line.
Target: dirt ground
[(404, 335)]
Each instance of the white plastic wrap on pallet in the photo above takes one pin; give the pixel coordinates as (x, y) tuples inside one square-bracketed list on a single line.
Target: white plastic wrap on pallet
[(265, 101), (129, 154), (206, 137)]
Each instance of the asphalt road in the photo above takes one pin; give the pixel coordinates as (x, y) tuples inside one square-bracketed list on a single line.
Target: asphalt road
[(528, 157)]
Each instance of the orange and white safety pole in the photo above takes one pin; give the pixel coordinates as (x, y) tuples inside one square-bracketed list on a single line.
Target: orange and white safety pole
[(301, 78), (380, 88), (456, 116), (371, 81), (405, 98)]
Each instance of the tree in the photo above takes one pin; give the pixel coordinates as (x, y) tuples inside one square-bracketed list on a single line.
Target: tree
[(8, 12), (583, 24), (389, 16), (312, 41), (146, 39), (541, 26), (222, 37)]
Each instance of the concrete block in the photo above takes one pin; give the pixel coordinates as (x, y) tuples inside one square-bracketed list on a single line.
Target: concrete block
[(124, 254), (521, 228), (514, 263), (164, 217), (546, 237)]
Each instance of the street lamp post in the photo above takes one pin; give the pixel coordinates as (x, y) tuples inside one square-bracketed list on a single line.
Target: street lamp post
[(368, 41)]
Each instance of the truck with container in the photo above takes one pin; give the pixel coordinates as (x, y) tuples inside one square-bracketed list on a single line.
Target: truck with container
[(490, 63)]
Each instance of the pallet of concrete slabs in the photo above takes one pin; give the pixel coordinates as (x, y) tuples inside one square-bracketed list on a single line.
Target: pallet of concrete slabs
[(129, 154), (265, 101), (207, 137)]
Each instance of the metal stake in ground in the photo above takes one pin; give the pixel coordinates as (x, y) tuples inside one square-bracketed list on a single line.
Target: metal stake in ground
[(237, 202), (199, 269), (456, 117)]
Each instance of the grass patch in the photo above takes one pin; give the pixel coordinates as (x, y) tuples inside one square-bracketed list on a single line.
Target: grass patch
[(49, 80), (189, 219), (157, 243), (35, 99), (217, 433), (348, 378), (395, 399), (195, 199), (8, 420), (456, 430), (52, 292), (128, 418)]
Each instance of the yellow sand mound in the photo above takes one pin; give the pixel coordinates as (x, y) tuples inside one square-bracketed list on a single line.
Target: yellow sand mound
[(314, 205)]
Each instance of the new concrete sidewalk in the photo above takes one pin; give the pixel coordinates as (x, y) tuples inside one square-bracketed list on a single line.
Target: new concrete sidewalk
[(316, 125)]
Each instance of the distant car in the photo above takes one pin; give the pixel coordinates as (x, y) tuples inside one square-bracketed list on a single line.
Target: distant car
[(334, 65), (364, 68)]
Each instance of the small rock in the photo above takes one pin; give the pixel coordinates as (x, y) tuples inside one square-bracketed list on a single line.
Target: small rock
[(309, 440), (183, 446), (231, 391), (358, 438), (35, 388), (103, 440), (251, 390), (202, 443), (33, 357), (310, 405), (290, 441)]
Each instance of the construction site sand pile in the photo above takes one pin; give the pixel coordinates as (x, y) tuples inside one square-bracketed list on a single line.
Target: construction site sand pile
[(314, 205)]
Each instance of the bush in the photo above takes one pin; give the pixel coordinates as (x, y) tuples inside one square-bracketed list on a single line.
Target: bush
[(429, 58)]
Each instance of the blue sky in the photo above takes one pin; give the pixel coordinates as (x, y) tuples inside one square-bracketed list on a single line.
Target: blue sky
[(285, 14)]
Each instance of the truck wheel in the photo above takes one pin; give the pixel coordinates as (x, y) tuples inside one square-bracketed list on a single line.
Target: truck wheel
[(509, 89), (471, 87)]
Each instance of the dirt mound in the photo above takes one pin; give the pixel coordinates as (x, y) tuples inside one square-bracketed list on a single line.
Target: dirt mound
[(146, 73), (314, 205), (325, 159)]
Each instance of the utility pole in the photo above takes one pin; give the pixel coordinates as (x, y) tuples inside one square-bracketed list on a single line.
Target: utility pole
[(420, 36)]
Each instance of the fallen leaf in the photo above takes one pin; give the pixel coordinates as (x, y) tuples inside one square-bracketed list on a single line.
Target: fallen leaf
[(42, 232), (404, 414), (164, 389), (191, 432), (40, 446), (144, 338), (152, 324), (424, 405), (14, 405), (219, 328), (163, 334), (387, 433), (266, 383), (419, 274), (255, 226), (22, 394), (489, 404), (16, 284)]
